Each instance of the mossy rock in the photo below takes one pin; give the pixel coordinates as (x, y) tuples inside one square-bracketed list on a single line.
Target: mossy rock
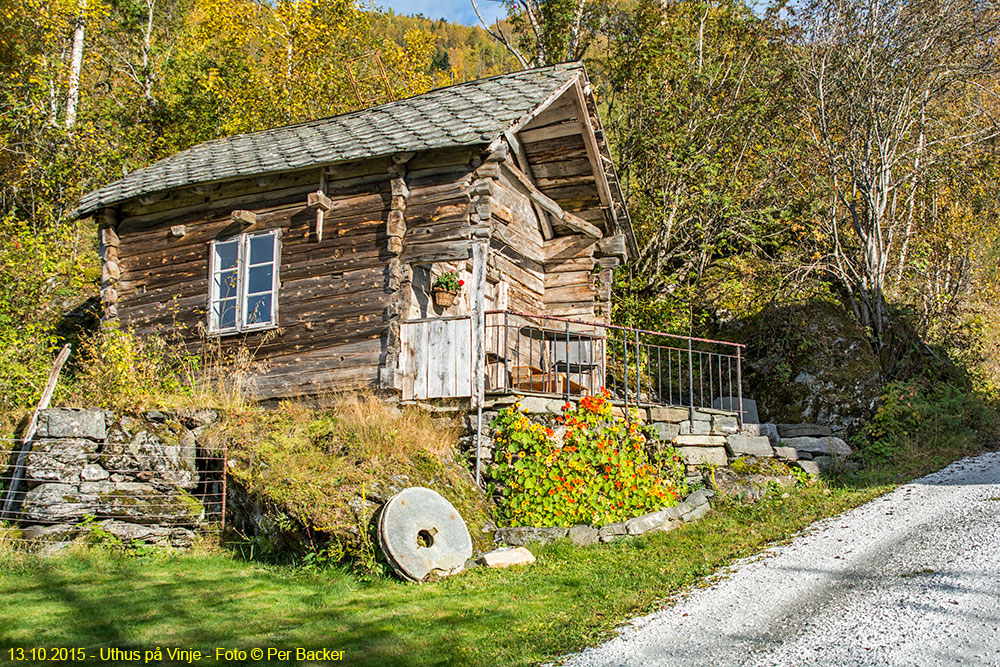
[(749, 478), (809, 363)]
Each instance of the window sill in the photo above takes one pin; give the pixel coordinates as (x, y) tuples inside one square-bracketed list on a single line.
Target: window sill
[(236, 332)]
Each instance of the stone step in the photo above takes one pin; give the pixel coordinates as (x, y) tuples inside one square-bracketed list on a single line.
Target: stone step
[(800, 430)]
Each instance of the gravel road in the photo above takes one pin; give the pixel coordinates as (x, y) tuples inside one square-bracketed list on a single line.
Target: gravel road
[(912, 578)]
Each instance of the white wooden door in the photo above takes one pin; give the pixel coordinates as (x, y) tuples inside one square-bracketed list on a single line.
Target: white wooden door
[(436, 358)]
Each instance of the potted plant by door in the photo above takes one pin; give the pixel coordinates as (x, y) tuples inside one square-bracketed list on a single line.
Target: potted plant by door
[(446, 288)]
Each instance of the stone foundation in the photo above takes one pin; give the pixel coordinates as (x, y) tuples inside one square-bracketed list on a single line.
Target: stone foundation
[(703, 436)]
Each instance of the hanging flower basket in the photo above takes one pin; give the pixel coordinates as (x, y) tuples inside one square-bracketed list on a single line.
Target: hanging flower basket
[(444, 298), (446, 288)]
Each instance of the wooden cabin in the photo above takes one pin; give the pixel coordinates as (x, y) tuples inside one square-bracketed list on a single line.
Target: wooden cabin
[(317, 244)]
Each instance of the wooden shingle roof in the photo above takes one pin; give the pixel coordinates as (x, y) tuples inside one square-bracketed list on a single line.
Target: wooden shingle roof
[(470, 113)]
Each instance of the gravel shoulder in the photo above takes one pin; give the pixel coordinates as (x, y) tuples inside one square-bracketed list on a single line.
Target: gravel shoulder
[(912, 578)]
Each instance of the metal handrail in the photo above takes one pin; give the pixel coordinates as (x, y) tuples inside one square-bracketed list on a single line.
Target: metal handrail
[(602, 325), (628, 361)]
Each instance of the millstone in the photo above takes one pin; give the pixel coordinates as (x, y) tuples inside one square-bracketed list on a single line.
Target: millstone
[(422, 533)]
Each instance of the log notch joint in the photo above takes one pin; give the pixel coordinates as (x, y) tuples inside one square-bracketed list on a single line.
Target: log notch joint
[(110, 264), (398, 275)]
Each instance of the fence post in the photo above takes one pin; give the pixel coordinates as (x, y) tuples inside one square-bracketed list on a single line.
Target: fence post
[(691, 380), (225, 474), (625, 362)]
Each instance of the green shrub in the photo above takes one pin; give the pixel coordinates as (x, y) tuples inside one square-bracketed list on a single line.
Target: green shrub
[(599, 473), (919, 419)]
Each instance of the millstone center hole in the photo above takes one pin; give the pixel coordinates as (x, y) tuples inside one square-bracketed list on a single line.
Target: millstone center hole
[(425, 538)]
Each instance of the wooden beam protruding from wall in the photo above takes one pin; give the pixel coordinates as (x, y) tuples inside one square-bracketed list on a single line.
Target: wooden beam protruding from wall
[(245, 217), (594, 153), (574, 222), (319, 202), (522, 161)]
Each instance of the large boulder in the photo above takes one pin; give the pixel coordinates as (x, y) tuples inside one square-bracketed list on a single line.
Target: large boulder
[(809, 363)]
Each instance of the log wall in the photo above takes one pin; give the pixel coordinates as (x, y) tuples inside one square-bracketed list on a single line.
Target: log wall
[(391, 226)]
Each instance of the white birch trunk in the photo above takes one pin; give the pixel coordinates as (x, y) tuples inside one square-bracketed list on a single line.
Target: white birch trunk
[(76, 66)]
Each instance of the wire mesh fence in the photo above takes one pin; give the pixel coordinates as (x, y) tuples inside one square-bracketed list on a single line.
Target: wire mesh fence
[(57, 491)]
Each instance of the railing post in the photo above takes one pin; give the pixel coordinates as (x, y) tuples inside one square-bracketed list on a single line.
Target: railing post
[(739, 386), (506, 351), (567, 364), (625, 363), (638, 371), (691, 379)]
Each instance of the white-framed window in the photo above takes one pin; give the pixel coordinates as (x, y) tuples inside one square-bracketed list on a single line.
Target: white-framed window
[(244, 282)]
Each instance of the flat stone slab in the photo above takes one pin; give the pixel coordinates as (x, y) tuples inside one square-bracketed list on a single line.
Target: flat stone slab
[(672, 415), (421, 533), (800, 430), (695, 428), (612, 530), (696, 512), (699, 497), (583, 535), (749, 445), (725, 424), (641, 524), (829, 446), (786, 453), (59, 460), (72, 423), (730, 403), (507, 557), (666, 430), (700, 440), (704, 455), (518, 536), (810, 467)]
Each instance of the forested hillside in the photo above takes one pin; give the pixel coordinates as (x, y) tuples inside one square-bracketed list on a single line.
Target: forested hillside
[(832, 163)]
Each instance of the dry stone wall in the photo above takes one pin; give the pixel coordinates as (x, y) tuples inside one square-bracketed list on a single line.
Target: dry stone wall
[(142, 477)]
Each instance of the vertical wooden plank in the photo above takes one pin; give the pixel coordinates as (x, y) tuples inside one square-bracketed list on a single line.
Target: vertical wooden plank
[(419, 342), (443, 359), (462, 337), (406, 362)]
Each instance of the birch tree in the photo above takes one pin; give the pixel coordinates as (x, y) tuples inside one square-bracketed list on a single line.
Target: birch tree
[(888, 88), (544, 32)]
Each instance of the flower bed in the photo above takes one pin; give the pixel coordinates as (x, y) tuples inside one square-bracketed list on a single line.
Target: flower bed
[(588, 467)]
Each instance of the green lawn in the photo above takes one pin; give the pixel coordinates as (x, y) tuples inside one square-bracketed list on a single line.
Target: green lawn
[(571, 598)]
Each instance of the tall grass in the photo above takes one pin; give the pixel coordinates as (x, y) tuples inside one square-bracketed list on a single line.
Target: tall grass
[(113, 367)]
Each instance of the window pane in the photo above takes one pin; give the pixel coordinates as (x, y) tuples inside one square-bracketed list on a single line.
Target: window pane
[(261, 248), (225, 312), (227, 285), (226, 255), (260, 279), (259, 309)]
